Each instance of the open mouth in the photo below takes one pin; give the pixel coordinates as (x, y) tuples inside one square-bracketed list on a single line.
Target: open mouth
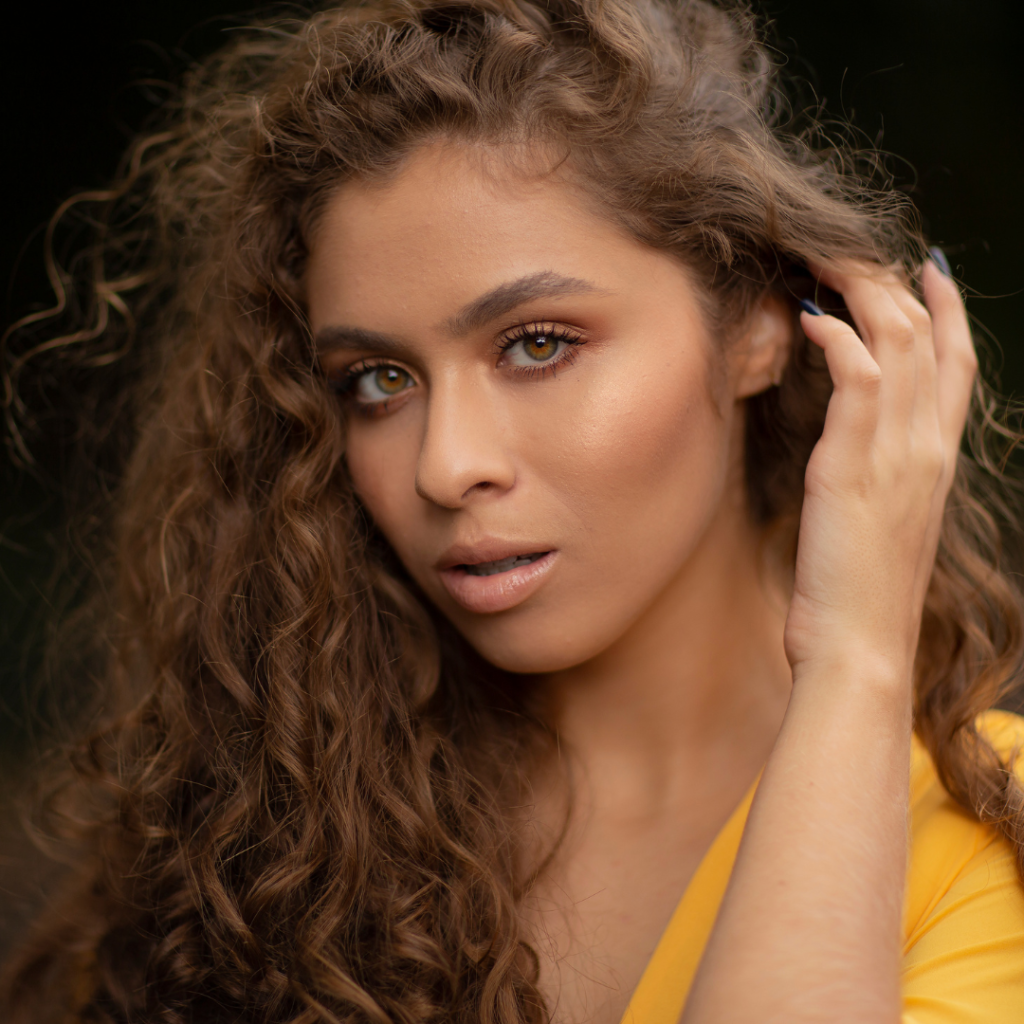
[(498, 585), (501, 565)]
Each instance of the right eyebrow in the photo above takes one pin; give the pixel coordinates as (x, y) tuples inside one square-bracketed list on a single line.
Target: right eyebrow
[(331, 339)]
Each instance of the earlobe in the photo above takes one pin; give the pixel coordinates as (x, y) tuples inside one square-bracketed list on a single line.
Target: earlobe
[(763, 349)]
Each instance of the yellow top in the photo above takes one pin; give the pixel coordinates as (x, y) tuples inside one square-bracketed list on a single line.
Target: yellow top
[(963, 921)]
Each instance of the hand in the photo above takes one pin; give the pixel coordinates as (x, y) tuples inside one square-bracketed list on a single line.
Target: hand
[(877, 480), (817, 889)]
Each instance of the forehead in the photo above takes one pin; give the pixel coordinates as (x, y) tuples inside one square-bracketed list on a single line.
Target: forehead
[(462, 179), (458, 220)]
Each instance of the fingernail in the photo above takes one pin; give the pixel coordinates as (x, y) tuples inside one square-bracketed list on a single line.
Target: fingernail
[(809, 307), (939, 258)]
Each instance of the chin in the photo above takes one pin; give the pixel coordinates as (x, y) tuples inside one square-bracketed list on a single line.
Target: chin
[(536, 652)]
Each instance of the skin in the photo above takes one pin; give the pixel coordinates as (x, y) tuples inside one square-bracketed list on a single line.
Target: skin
[(672, 666)]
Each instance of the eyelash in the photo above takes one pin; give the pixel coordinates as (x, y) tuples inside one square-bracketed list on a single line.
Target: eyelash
[(345, 386), (527, 332)]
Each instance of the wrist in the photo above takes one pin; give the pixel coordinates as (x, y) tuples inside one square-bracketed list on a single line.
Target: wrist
[(857, 670)]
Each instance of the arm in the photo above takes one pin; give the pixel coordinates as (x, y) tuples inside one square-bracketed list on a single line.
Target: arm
[(810, 926)]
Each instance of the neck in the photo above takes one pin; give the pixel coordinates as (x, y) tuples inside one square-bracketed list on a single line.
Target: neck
[(695, 689)]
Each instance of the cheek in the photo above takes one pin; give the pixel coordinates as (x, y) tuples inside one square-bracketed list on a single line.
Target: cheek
[(631, 474), (642, 448), (381, 461)]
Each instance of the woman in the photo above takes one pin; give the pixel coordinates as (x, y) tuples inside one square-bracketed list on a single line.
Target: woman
[(542, 483)]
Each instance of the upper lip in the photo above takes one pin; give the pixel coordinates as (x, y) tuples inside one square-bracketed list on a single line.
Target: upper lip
[(488, 550)]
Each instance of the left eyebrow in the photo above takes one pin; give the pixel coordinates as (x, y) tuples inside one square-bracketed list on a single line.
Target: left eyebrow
[(506, 297), (356, 338)]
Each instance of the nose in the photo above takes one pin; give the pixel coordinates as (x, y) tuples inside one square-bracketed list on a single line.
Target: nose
[(464, 452)]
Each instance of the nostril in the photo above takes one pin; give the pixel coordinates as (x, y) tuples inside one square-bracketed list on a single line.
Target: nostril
[(483, 485)]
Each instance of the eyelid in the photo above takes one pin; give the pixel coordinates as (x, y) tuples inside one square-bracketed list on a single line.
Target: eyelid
[(533, 328), (342, 381), (570, 341)]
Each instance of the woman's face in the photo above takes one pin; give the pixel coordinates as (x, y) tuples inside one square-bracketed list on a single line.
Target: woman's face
[(533, 423)]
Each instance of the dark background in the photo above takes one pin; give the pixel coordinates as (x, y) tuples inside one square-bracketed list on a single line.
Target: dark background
[(937, 83)]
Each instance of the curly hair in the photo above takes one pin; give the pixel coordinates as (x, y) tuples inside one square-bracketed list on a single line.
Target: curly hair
[(299, 804)]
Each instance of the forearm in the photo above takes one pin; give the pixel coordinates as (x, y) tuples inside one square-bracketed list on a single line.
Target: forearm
[(810, 926)]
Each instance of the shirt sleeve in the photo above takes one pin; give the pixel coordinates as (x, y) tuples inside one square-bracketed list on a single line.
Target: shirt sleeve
[(964, 962)]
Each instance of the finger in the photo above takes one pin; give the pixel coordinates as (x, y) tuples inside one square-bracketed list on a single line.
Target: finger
[(852, 278), (855, 279), (890, 334), (925, 413), (928, 450), (955, 358), (853, 409)]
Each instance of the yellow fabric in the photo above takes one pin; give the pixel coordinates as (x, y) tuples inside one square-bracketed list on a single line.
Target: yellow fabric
[(963, 949)]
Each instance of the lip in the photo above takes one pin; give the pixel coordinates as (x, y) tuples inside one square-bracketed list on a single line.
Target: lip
[(500, 591)]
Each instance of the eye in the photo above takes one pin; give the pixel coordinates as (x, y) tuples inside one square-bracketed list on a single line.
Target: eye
[(537, 349), (375, 384), (537, 345)]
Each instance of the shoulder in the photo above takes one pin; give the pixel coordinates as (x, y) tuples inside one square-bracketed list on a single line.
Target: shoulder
[(933, 810), (1005, 731), (946, 840), (964, 912)]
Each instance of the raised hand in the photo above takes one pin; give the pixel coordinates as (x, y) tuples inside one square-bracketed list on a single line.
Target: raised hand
[(809, 930), (877, 480)]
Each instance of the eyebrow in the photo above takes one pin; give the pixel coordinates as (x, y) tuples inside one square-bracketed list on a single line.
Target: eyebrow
[(481, 311), (330, 339), (506, 297)]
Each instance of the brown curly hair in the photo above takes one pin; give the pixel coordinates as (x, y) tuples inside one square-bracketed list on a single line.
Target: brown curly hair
[(298, 807)]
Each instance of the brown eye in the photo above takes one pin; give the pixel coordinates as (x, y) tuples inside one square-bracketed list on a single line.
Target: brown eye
[(379, 383), (390, 380), (541, 347), (535, 348)]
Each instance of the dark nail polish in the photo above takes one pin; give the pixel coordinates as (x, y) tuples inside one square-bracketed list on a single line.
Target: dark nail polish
[(810, 307), (939, 258)]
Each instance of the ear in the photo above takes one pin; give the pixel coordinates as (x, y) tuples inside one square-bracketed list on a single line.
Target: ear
[(761, 352)]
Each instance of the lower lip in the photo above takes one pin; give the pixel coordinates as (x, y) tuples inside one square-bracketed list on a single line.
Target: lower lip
[(499, 592)]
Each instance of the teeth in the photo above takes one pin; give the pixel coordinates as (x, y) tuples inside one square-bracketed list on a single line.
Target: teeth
[(502, 565)]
